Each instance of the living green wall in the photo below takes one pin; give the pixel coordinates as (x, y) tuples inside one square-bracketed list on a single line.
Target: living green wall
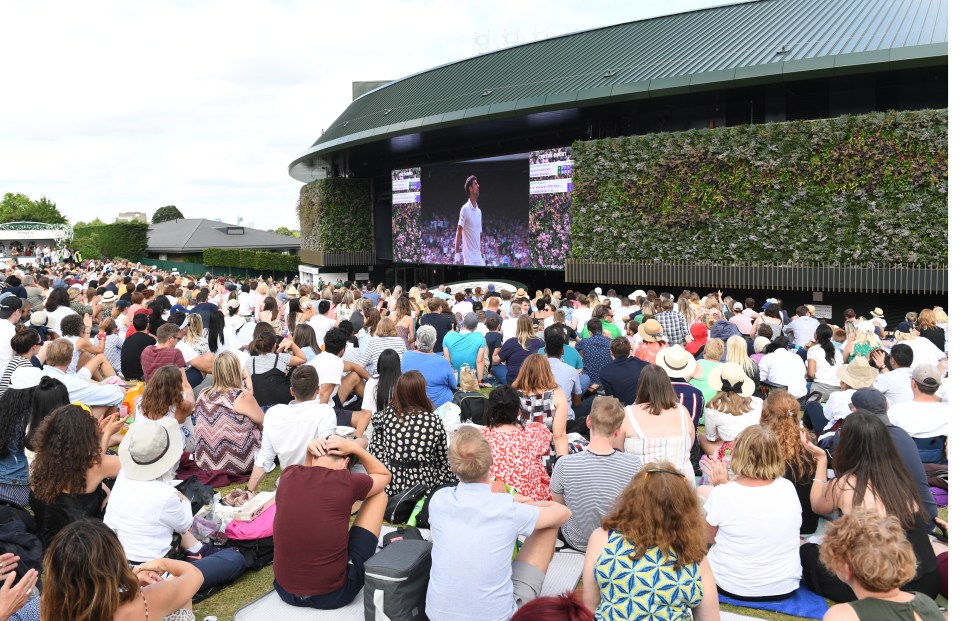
[(336, 215), (251, 259), (853, 190), (127, 240)]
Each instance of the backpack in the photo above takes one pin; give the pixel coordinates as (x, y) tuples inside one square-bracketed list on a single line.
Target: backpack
[(271, 387), (473, 406)]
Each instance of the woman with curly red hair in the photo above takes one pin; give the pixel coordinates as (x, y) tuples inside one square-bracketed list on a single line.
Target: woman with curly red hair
[(655, 529)]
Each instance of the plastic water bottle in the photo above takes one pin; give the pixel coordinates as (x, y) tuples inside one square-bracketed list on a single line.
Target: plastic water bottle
[(727, 458), (705, 480)]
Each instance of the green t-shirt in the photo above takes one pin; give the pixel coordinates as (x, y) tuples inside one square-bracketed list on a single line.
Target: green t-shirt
[(609, 327)]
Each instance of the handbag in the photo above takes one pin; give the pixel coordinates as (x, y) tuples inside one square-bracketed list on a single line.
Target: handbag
[(197, 493), (400, 506), (271, 387)]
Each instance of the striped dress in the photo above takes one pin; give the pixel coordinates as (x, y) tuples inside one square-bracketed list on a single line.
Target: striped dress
[(225, 440), (673, 449)]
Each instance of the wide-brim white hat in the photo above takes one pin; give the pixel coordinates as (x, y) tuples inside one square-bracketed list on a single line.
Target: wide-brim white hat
[(676, 361), (151, 448), (729, 376)]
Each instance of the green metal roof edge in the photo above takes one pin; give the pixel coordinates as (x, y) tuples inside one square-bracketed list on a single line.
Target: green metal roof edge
[(826, 66)]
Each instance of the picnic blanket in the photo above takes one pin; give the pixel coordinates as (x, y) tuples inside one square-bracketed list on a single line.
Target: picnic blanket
[(804, 603)]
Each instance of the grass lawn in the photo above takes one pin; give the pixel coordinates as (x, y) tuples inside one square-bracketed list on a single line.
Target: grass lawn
[(253, 584)]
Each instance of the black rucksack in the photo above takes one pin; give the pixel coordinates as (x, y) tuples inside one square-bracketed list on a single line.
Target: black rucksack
[(272, 387), (473, 406)]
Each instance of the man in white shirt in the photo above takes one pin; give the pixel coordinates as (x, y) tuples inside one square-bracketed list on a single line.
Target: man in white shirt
[(470, 225), (783, 366), (742, 321), (509, 327), (320, 323), (802, 328), (10, 312), (894, 382), (925, 416), (461, 306), (289, 428), (245, 298), (339, 378)]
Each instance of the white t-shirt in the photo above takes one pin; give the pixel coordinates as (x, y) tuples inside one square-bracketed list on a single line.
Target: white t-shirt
[(245, 307), (924, 352), (921, 419), (787, 369), (726, 427), (758, 549), (509, 328), (825, 373), (54, 317), (320, 324), (145, 514), (370, 395), (7, 330), (289, 428), (471, 220), (895, 385), (581, 316), (330, 370)]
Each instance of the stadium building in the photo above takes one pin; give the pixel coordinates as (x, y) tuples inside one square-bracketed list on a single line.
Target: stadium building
[(794, 144)]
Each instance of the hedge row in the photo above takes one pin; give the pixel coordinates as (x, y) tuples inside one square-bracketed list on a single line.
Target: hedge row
[(853, 190), (251, 259), (336, 215), (126, 240)]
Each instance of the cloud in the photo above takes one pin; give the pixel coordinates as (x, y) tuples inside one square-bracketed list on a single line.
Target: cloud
[(114, 106)]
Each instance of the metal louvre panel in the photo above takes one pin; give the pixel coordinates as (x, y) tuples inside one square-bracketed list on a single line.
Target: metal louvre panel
[(837, 278)]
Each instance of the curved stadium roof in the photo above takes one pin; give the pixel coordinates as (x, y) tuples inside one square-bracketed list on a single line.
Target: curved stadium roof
[(751, 42)]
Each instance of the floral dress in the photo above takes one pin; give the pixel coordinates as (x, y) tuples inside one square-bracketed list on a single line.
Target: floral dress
[(518, 458), (413, 448)]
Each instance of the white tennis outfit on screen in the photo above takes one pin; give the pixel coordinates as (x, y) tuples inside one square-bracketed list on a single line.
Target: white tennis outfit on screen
[(472, 222)]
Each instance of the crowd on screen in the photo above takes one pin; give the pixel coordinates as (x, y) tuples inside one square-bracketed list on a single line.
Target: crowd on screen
[(504, 242), (726, 447)]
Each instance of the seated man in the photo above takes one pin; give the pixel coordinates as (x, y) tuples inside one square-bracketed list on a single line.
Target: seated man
[(100, 398), (925, 416), (620, 377), (474, 532), (575, 477), (289, 428), (894, 379), (133, 347), (339, 378), (165, 352), (318, 562)]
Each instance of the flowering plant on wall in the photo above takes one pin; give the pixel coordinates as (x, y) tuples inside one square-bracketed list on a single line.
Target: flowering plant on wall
[(407, 235), (549, 229), (336, 215)]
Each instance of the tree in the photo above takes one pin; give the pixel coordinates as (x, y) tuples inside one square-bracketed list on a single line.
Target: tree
[(170, 212), (19, 207), (282, 230)]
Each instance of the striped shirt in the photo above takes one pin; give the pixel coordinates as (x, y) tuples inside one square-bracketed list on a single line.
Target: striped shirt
[(15, 363), (590, 485), (376, 345), (689, 397)]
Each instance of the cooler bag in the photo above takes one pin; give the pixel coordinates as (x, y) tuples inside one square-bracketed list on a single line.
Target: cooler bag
[(395, 582)]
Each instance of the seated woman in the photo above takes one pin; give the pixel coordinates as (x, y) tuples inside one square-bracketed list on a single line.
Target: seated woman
[(88, 359), (26, 344), (158, 589), (823, 362), (47, 396), (436, 370), (146, 510), (542, 400), (653, 531), (754, 521), (850, 549), (712, 353), (409, 439), (168, 394), (385, 337), (68, 472), (871, 474), (306, 339), (781, 414), (379, 389), (657, 427), (228, 419), (733, 409), (518, 448), (517, 349)]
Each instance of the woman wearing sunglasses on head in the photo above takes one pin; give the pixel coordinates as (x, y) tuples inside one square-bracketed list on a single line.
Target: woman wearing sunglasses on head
[(654, 530)]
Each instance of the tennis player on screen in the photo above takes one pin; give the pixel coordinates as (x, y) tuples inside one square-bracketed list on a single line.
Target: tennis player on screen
[(469, 226)]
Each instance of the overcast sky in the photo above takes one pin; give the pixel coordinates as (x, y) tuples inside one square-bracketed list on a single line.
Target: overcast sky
[(129, 106)]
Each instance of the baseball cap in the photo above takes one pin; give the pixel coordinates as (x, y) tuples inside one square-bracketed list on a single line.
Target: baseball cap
[(925, 374), (470, 321), (737, 306), (11, 304), (870, 401)]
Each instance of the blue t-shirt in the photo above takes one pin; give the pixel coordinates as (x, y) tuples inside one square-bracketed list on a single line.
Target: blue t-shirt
[(441, 382), (463, 348), (570, 355)]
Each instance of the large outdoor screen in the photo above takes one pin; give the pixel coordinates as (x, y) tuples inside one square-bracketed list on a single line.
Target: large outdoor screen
[(510, 211)]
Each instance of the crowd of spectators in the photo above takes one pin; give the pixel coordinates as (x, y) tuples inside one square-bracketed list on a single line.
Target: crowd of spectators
[(659, 437)]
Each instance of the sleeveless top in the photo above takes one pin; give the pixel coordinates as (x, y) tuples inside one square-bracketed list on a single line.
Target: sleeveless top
[(404, 333), (882, 610), (645, 589), (66, 509), (776, 327), (76, 354), (225, 439), (673, 449), (861, 349)]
